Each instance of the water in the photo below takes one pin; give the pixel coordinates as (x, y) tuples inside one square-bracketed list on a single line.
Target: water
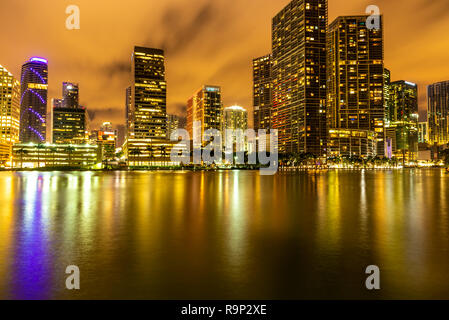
[(223, 235)]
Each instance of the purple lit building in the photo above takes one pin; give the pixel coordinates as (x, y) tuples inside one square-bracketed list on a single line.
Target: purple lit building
[(33, 102)]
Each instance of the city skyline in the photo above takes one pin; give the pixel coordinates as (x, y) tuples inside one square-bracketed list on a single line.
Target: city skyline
[(228, 68)]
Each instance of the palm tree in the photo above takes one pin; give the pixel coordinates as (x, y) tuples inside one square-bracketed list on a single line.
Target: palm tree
[(53, 151), (22, 152), (137, 153), (150, 150), (162, 148), (39, 147), (70, 150)]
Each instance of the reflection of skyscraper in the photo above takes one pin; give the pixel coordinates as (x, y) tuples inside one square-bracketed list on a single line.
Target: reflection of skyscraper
[(9, 107), (33, 104), (356, 78), (206, 107), (70, 95), (299, 76), (147, 114), (438, 113), (262, 92)]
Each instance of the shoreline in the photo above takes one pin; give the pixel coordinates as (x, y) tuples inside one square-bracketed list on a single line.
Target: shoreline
[(172, 169)]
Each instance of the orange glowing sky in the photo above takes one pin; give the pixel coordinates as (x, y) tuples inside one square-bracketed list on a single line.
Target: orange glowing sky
[(206, 42)]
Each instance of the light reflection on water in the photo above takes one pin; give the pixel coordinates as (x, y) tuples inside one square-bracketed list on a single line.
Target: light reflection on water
[(208, 235)]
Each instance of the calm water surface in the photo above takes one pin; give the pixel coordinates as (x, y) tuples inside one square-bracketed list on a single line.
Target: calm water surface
[(223, 235)]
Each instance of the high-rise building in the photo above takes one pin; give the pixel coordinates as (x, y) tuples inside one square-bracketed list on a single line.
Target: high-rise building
[(9, 107), (69, 125), (438, 113), (262, 88), (9, 114), (423, 136), (235, 118), (70, 95), (206, 107), (356, 78), (128, 114), (33, 104), (147, 113), (106, 127), (402, 105), (387, 81), (172, 124), (401, 123), (299, 76), (68, 118)]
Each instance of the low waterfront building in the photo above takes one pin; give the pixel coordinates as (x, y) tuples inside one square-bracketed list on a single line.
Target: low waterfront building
[(149, 152), (352, 142), (29, 155)]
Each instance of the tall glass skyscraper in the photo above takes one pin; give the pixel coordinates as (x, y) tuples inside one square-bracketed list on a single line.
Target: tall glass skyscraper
[(206, 107), (147, 114), (401, 124), (299, 76), (355, 70), (262, 89), (33, 102), (438, 113), (70, 95)]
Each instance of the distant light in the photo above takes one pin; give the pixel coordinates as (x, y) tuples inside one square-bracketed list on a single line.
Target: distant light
[(410, 83), (37, 59)]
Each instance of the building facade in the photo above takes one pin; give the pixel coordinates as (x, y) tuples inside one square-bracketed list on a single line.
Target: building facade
[(235, 118), (401, 123), (356, 77), (423, 133), (262, 92), (352, 142), (147, 114), (299, 76), (69, 125), (172, 124), (9, 113), (206, 107), (9, 107), (29, 155), (438, 113), (33, 104), (70, 95)]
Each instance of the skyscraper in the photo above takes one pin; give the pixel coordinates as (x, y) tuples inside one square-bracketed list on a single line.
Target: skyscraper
[(147, 114), (172, 124), (206, 107), (9, 107), (438, 113), (68, 118), (235, 118), (299, 76), (128, 115), (70, 95), (69, 125), (401, 124), (387, 81), (33, 104), (356, 78), (262, 88)]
